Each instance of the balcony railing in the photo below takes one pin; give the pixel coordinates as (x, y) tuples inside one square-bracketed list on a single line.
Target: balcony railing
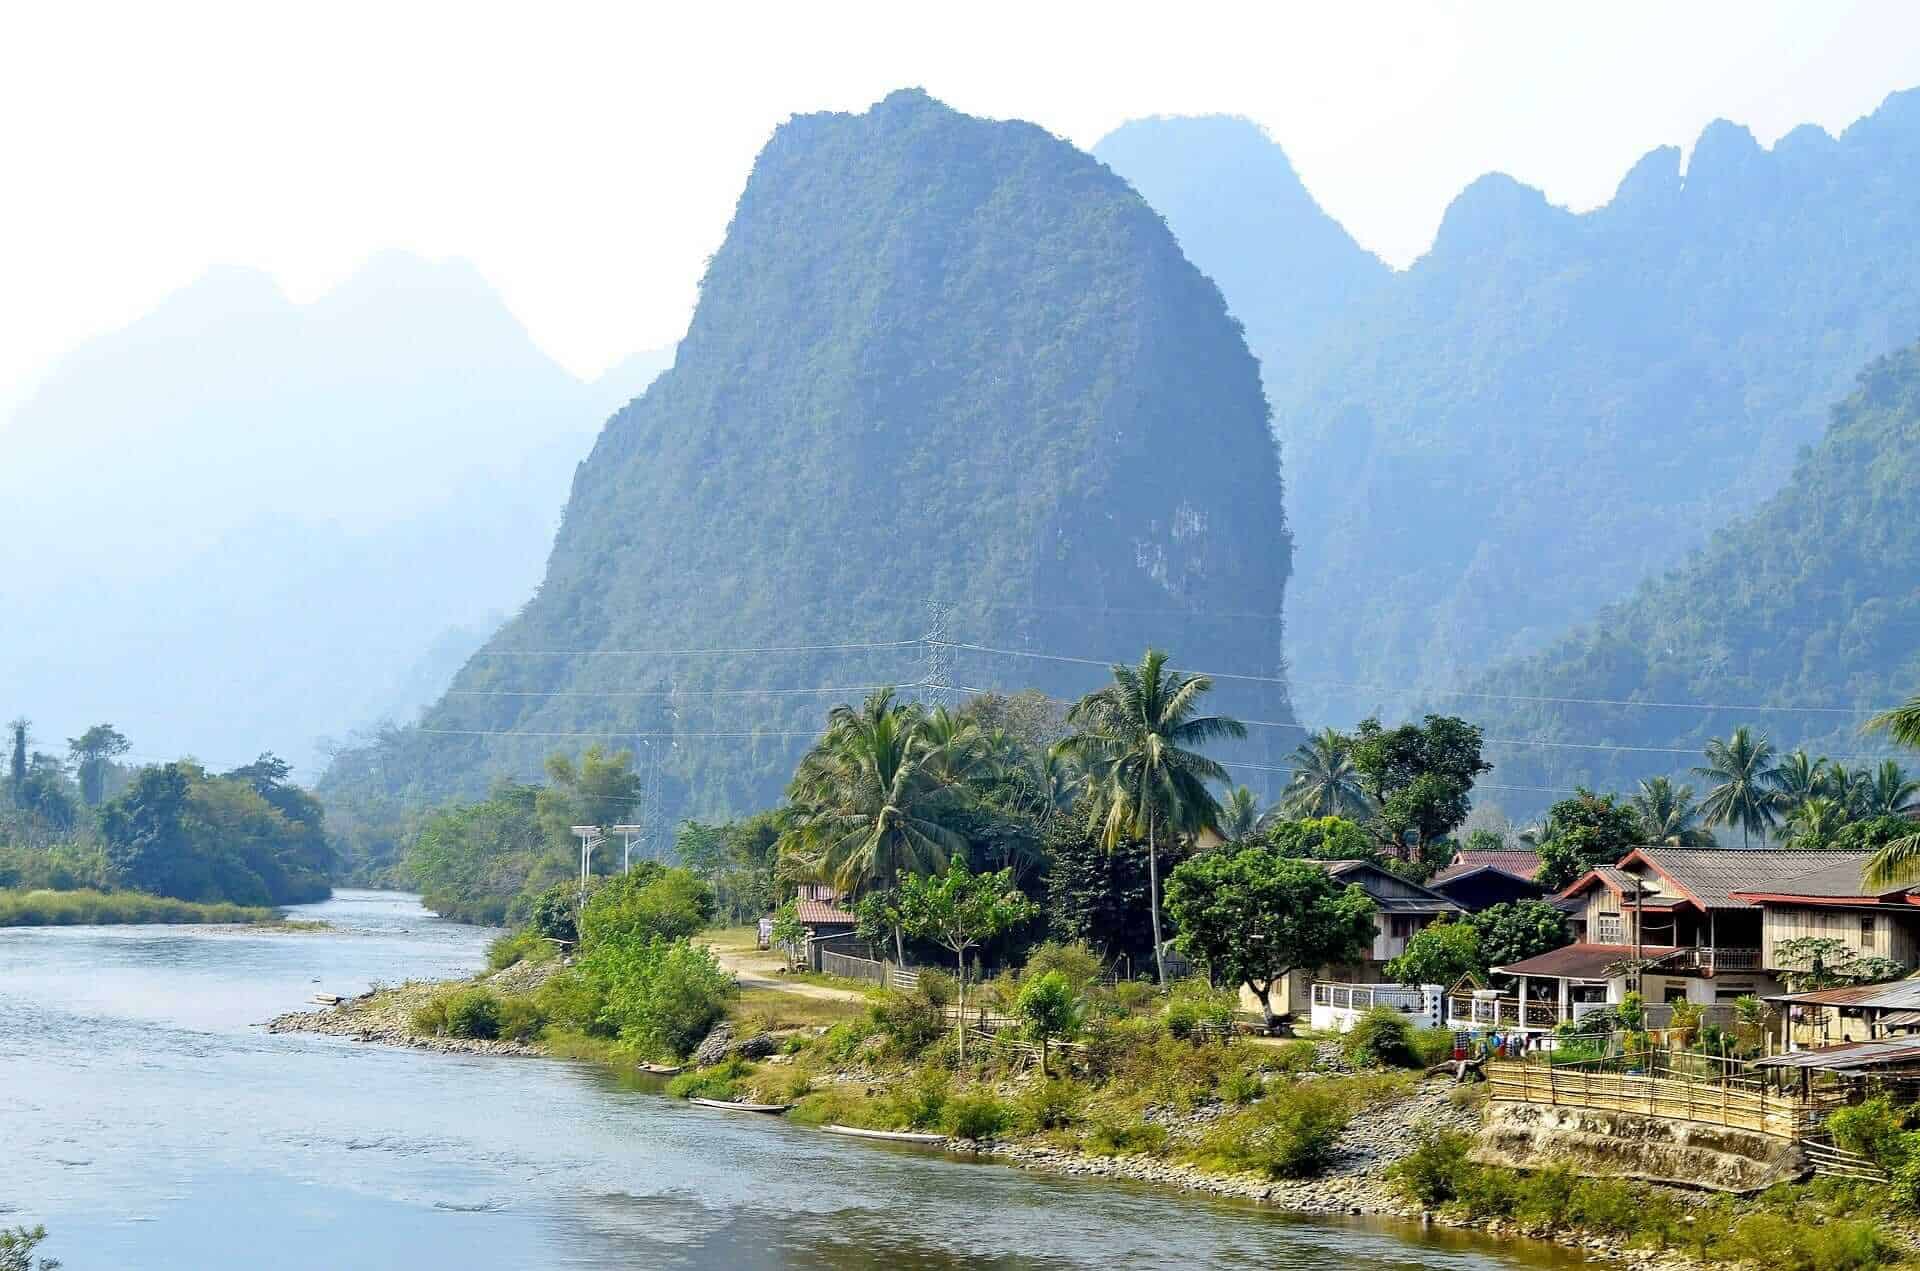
[(1713, 960), (1364, 997), (1464, 1010)]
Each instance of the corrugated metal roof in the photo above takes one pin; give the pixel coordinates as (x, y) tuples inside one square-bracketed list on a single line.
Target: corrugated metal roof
[(1836, 879), (1892, 995), (1711, 875), (1849, 1056), (1522, 865), (1583, 961), (819, 911), (1425, 902)]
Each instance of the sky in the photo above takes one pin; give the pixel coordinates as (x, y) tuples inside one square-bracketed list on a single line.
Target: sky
[(586, 157)]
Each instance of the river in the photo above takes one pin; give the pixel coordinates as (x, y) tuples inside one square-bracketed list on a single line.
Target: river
[(151, 1124)]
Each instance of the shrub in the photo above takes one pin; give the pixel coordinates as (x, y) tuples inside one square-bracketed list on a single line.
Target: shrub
[(649, 903), (721, 1081), (429, 1019), (1051, 1008), (1875, 1129), (573, 1001), (1131, 995), (920, 1106), (1196, 1002), (977, 1116), (474, 1013), (1295, 1057), (1053, 1104), (1432, 1046), (938, 988), (1123, 1136), (1290, 1134), (909, 1020), (524, 945), (521, 1018), (1242, 1086), (1076, 963), (1382, 1038), (552, 912), (660, 997), (1432, 1173)]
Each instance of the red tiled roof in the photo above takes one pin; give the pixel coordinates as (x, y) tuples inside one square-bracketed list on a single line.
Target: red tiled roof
[(819, 912), (1582, 961)]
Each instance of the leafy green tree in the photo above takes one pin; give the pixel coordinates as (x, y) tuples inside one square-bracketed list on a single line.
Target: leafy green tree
[(16, 1249), (1584, 832), (1439, 953), (1871, 834), (868, 805), (1743, 790), (1511, 932), (473, 862), (960, 911), (17, 769), (736, 859), (1238, 814), (601, 788), (649, 902), (1138, 737), (1051, 1009), (1094, 895), (1325, 838), (1325, 782), (880, 921), (1252, 916), (92, 751), (1668, 816), (1421, 777)]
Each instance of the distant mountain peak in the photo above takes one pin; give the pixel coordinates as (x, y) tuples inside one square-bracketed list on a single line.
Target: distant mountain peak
[(1491, 213)]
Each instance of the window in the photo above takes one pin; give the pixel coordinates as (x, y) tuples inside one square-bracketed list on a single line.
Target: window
[(1674, 993), (1866, 933), (1608, 930)]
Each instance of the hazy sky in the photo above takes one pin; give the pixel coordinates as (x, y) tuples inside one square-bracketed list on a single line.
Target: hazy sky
[(586, 157)]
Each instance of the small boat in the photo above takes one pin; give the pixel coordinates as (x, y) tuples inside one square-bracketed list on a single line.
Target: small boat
[(663, 1070), (741, 1107), (891, 1136), (328, 999)]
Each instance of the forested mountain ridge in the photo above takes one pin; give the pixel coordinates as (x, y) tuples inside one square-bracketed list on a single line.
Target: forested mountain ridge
[(1812, 601), (1288, 270), (282, 505), (936, 359), (1548, 407)]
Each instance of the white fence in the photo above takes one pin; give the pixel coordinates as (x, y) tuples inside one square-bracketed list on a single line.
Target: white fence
[(1337, 1006)]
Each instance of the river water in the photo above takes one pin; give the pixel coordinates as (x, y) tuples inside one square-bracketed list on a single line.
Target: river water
[(151, 1124)]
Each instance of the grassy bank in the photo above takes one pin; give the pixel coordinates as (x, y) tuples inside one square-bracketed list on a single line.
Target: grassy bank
[(99, 908)]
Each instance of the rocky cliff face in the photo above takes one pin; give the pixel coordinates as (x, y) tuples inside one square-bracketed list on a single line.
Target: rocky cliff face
[(938, 363)]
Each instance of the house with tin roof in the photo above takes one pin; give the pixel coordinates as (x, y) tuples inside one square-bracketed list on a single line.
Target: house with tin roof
[(1477, 880), (1673, 924)]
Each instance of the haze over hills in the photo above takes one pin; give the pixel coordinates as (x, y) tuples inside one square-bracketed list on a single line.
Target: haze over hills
[(1549, 407), (937, 359), (1811, 602), (240, 523)]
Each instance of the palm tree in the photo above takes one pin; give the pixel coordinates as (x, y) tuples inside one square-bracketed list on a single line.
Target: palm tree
[(1889, 792), (1137, 737), (1743, 793), (867, 803), (1898, 858), (1797, 778), (1668, 815), (1239, 814), (1816, 821), (1325, 782), (956, 751), (1851, 788)]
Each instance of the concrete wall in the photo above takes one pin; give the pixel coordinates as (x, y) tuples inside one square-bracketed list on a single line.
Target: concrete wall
[(1623, 1145)]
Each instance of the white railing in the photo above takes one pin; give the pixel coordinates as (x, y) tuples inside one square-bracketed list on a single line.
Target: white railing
[(1336, 1006), (1466, 1010)]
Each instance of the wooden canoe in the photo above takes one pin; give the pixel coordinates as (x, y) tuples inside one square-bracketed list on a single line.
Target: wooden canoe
[(741, 1107), (663, 1070), (891, 1136)]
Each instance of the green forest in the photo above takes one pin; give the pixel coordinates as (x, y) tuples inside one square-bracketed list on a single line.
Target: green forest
[(86, 837), (1800, 617), (938, 361)]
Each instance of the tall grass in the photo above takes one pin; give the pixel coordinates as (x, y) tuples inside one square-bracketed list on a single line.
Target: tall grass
[(88, 908)]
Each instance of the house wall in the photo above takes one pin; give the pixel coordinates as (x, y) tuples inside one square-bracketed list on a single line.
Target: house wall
[(1718, 990), (1391, 933), (1893, 934)]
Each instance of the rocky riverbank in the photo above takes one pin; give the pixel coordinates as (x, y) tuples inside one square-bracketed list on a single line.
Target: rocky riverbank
[(385, 1015)]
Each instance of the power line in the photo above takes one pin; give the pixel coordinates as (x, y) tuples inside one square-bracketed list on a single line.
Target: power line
[(662, 692), (612, 735), (1417, 689), (676, 653)]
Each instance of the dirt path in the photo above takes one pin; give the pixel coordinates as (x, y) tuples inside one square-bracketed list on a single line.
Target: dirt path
[(758, 969)]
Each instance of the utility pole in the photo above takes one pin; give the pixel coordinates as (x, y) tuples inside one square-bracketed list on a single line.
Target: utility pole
[(590, 837), (627, 834)]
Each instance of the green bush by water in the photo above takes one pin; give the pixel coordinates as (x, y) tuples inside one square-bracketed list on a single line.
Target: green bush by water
[(86, 908)]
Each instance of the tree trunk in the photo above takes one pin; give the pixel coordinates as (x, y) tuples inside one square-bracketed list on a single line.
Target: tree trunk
[(1044, 1038), (1266, 1006), (962, 954), (1153, 899), (899, 948)]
